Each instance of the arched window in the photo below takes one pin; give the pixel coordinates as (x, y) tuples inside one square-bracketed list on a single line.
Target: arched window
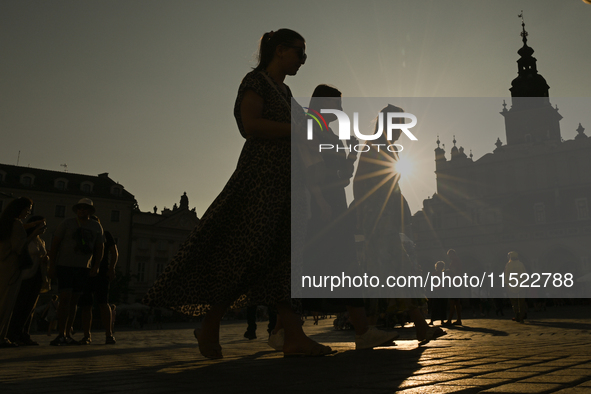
[(27, 180), (86, 187), (61, 184)]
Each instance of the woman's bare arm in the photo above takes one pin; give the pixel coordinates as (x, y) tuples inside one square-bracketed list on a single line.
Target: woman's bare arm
[(251, 110)]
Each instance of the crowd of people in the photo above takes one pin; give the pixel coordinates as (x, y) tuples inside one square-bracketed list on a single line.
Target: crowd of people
[(81, 259)]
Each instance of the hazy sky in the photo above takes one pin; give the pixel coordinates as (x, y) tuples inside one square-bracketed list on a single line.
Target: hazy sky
[(145, 90)]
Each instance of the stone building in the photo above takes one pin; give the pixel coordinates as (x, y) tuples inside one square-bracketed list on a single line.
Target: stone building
[(530, 195), (156, 240), (55, 192)]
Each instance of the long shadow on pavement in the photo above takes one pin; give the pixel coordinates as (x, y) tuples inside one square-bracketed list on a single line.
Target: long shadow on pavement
[(490, 331), (349, 371), (561, 325)]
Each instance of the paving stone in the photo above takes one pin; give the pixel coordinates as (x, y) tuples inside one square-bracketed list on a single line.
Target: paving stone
[(441, 390), (574, 390), (437, 368), (507, 375), (524, 388), (478, 370), (480, 382), (438, 377), (547, 378), (534, 368)]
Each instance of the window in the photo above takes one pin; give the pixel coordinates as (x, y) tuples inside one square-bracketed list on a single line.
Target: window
[(141, 272), (116, 190), (582, 209), (115, 216), (2, 176), (540, 213), (60, 184), (86, 187), (27, 180), (60, 211)]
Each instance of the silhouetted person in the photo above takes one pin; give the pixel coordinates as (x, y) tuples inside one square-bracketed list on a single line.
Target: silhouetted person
[(331, 240), (32, 281), (455, 304), (380, 212), (513, 269), (75, 255), (14, 243), (240, 252), (98, 289), (438, 302), (251, 319)]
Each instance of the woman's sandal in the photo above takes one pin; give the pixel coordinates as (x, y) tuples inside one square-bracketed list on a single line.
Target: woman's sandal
[(277, 339), (317, 350), (208, 349)]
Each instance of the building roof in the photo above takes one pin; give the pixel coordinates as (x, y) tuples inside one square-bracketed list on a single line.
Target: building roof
[(71, 184)]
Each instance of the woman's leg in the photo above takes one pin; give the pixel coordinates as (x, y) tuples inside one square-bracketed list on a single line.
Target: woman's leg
[(278, 325), (208, 336), (296, 341), (358, 318), (424, 332), (421, 325)]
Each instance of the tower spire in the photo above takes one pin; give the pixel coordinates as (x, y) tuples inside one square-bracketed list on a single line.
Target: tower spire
[(528, 82), (524, 33), (531, 117)]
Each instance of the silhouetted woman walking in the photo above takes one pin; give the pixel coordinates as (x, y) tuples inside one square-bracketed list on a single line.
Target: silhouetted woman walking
[(239, 253)]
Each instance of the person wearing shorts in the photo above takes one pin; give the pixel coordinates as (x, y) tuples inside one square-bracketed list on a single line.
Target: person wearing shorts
[(76, 253), (98, 290)]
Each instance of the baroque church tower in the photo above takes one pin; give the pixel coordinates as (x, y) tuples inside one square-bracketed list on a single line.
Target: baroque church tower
[(531, 118)]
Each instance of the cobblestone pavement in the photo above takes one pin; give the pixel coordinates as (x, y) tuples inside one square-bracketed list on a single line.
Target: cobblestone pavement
[(550, 353)]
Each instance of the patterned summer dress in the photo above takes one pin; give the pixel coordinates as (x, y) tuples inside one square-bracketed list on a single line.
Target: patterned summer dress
[(240, 250)]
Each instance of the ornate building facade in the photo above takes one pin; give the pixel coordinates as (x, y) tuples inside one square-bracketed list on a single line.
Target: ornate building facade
[(155, 241), (530, 195)]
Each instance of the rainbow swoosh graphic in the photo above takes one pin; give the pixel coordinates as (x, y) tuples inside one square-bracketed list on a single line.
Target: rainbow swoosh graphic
[(315, 117)]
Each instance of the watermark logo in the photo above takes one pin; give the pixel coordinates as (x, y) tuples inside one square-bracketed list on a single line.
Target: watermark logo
[(345, 125), (393, 121), (317, 117)]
